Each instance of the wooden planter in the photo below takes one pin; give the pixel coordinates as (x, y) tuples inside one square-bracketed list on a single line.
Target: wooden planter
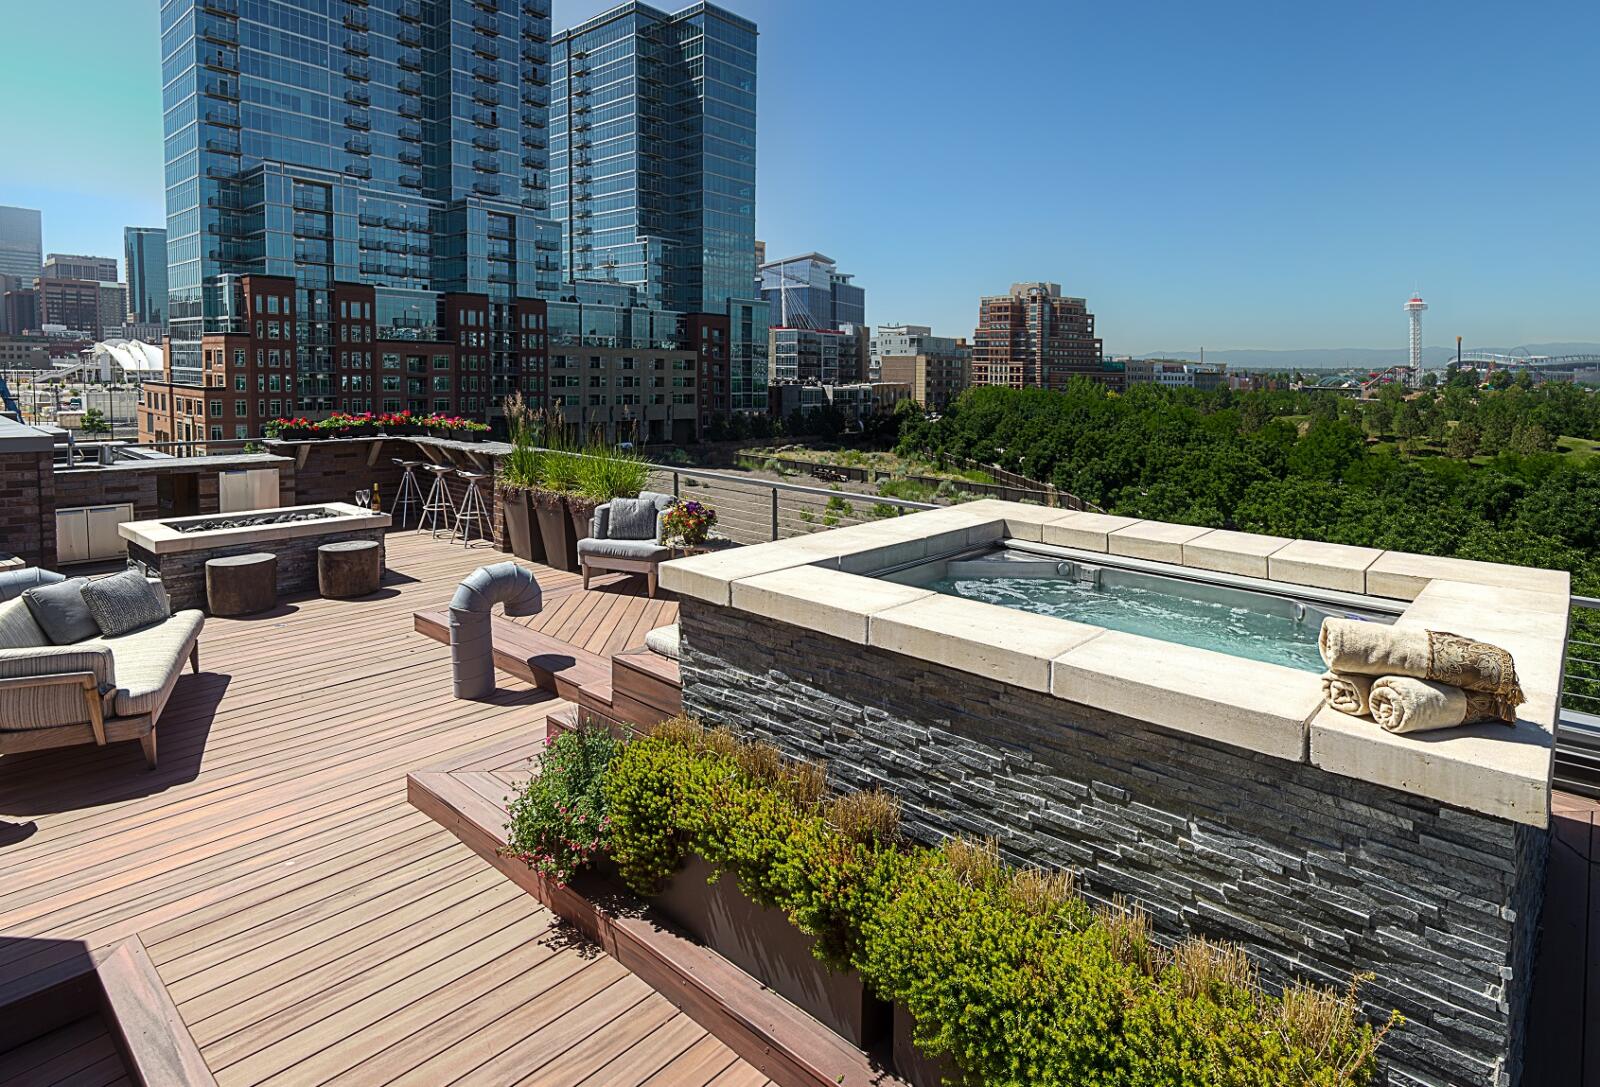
[(765, 944), (581, 510), (555, 529), (522, 528), (914, 1066)]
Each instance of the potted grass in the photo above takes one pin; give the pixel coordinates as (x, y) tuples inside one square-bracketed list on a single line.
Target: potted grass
[(519, 474), (605, 472), (558, 480)]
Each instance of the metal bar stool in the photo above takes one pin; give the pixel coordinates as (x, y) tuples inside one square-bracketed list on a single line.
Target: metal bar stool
[(409, 499), (473, 513), (439, 504)]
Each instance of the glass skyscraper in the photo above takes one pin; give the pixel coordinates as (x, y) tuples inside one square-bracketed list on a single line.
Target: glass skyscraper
[(652, 163), (397, 144), (21, 244), (809, 291), (144, 251)]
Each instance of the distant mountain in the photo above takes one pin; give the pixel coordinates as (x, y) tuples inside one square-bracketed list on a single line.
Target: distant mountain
[(1341, 358)]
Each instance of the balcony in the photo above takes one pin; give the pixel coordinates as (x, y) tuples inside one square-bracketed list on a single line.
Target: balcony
[(409, 86), (534, 74), (501, 233), (409, 157), (489, 73), (537, 203), (409, 11), (581, 70), (487, 96), (535, 11), (502, 277), (409, 110), (222, 146), (411, 181), (357, 20), (410, 134), (409, 37), (535, 56), (487, 27), (486, 188), (533, 121), (219, 32), (227, 118), (486, 163), (534, 183), (486, 118), (486, 141), (358, 70), (547, 245), (358, 96), (361, 121), (533, 96), (358, 45), (311, 230), (221, 60), (534, 162), (227, 8), (222, 173), (358, 169), (409, 62), (221, 88), (358, 145), (535, 143), (491, 6)]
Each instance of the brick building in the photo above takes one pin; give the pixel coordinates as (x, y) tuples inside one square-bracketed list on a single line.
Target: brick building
[(1035, 338)]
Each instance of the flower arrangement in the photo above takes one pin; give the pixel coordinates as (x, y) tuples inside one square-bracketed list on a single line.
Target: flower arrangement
[(687, 523), (454, 424), (558, 823)]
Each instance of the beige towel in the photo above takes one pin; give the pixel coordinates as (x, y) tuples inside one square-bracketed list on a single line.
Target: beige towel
[(1346, 693), (1406, 704), (1377, 649)]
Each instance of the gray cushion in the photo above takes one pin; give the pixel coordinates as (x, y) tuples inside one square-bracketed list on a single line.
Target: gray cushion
[(664, 640), (632, 519), (149, 662), (17, 628), (621, 549), (124, 602), (13, 582), (61, 613)]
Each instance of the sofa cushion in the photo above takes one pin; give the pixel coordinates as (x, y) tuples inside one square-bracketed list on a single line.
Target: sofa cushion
[(621, 549), (17, 628), (25, 708), (632, 519), (60, 611), (124, 602), (13, 582), (149, 661)]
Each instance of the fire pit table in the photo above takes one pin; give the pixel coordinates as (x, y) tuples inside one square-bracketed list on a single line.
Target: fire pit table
[(178, 548)]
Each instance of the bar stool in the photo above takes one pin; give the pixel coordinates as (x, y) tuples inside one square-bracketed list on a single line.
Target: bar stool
[(409, 497), (473, 513), (439, 503)]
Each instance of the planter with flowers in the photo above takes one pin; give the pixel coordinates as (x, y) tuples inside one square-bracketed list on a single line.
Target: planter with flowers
[(455, 428), (289, 430), (687, 523)]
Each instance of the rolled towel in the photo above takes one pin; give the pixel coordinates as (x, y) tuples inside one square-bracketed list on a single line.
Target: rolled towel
[(1377, 649), (1407, 704), (1346, 693)]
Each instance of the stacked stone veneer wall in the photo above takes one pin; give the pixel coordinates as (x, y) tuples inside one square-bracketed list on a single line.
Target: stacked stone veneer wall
[(1319, 876), (28, 507), (183, 573)]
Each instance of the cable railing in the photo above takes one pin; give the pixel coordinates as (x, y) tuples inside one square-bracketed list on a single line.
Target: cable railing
[(1578, 736)]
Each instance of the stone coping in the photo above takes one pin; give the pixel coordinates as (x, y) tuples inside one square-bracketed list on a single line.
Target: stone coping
[(220, 463), (159, 538), (18, 437), (821, 582)]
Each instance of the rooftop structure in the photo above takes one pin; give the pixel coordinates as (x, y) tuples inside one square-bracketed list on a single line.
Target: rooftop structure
[(809, 291), (1033, 337), (21, 244), (1414, 309), (145, 257), (75, 266)]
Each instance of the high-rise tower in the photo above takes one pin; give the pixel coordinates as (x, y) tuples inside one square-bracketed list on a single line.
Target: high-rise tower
[(1414, 308)]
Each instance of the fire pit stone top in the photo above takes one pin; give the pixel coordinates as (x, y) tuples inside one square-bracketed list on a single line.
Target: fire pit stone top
[(177, 534)]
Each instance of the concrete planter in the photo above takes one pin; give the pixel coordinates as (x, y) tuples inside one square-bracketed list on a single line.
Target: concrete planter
[(914, 1066), (765, 944), (522, 528), (581, 510), (555, 529)]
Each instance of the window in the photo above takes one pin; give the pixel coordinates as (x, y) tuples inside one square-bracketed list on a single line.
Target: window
[(441, 405), (238, 357), (215, 408), (216, 433), (441, 362), (241, 407), (441, 383), (241, 431), (277, 408), (273, 358)]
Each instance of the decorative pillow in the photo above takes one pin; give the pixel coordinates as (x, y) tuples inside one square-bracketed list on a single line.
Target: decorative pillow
[(154, 577), (633, 519), (124, 602), (61, 613), (17, 628)]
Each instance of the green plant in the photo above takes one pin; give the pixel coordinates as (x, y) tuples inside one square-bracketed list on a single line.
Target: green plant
[(607, 471), (883, 509), (523, 466), (558, 822), (1008, 972)]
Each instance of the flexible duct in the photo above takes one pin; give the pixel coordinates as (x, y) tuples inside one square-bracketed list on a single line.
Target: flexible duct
[(471, 650)]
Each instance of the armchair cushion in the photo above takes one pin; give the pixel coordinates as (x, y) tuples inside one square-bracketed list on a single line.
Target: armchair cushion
[(17, 628), (46, 706), (632, 519), (621, 549), (124, 602), (61, 612)]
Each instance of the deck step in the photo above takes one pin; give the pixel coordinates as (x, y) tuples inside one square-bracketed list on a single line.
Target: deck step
[(539, 659)]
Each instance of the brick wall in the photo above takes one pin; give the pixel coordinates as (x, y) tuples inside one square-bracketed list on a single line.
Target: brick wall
[(27, 507), (1318, 876), (183, 573)]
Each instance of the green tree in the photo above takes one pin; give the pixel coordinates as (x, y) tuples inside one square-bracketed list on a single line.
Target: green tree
[(94, 422), (1463, 441)]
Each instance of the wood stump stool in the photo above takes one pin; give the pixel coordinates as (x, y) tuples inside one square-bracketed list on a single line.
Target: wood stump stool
[(350, 568), (242, 584)]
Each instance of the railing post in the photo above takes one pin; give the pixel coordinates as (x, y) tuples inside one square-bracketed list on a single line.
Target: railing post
[(674, 484), (774, 513)]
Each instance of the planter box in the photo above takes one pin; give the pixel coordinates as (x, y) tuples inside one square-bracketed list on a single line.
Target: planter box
[(765, 944), (581, 510), (914, 1066), (522, 528), (555, 530)]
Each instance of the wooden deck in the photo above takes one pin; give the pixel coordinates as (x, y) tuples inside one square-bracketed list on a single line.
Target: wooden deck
[(310, 925)]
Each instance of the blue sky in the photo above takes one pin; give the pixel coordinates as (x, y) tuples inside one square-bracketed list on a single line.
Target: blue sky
[(1231, 175)]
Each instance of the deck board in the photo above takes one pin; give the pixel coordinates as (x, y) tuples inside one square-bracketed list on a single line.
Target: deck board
[(310, 925)]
